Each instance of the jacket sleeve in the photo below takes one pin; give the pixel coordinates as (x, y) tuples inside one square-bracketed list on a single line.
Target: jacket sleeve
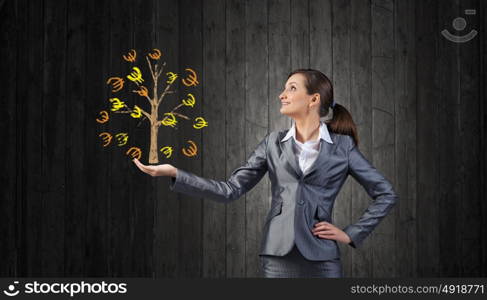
[(242, 179), (377, 187)]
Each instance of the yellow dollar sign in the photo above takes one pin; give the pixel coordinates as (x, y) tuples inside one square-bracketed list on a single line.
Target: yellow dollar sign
[(122, 138), (136, 76), (170, 120), (167, 151), (190, 101), (116, 104), (137, 112), (171, 77), (200, 123)]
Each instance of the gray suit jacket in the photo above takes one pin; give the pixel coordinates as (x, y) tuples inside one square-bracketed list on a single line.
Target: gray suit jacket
[(299, 200)]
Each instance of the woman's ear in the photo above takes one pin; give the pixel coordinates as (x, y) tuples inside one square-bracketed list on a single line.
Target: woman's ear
[(315, 100)]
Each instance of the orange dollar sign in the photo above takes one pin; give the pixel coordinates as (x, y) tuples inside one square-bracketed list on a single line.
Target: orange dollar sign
[(107, 138), (142, 92), (104, 117), (155, 55), (117, 83), (191, 151), (134, 152), (191, 80), (131, 56)]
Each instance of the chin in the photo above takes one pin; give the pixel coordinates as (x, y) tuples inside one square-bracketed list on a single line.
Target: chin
[(285, 113)]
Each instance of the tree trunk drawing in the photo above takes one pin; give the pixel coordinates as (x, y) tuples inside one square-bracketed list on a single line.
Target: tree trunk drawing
[(169, 119)]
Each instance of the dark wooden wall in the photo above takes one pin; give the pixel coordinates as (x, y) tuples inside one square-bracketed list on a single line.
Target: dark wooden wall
[(69, 207)]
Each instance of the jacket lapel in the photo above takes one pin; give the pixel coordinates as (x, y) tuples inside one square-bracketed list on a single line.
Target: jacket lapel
[(288, 152), (325, 150)]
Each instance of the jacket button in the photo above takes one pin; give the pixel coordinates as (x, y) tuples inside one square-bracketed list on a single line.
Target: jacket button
[(301, 201)]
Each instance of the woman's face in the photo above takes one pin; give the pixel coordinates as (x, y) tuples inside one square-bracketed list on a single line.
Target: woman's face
[(295, 101)]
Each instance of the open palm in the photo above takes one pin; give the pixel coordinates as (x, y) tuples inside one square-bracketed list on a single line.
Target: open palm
[(157, 170)]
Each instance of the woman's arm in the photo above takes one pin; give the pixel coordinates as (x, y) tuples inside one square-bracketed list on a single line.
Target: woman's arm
[(378, 188), (242, 179)]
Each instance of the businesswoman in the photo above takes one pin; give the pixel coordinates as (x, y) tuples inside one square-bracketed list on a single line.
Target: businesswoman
[(307, 166)]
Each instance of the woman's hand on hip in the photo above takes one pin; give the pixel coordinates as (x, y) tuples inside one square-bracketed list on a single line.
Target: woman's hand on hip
[(329, 231), (157, 170)]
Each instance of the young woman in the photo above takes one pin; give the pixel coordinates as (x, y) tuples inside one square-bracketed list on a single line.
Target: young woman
[(307, 165)]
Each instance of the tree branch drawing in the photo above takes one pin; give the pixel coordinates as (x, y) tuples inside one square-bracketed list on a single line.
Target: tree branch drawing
[(154, 101)]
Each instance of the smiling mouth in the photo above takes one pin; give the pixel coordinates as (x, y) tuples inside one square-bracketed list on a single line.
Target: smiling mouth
[(285, 103)]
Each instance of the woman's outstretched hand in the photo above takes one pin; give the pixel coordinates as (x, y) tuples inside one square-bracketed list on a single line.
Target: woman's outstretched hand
[(158, 170), (329, 231)]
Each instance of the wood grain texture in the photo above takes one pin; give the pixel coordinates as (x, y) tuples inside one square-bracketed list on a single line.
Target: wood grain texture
[(383, 128), (9, 135), (76, 209), (256, 125), (427, 139), (361, 110), (169, 225), (71, 207), (405, 138), (97, 174), (214, 150), (341, 79), (234, 131)]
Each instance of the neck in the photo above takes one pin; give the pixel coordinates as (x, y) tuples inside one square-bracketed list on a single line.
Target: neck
[(307, 128)]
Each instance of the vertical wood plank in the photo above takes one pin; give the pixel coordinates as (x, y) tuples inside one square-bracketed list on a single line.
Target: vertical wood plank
[(483, 130), (121, 41), (361, 107), (427, 139), (235, 130), (320, 36), (8, 136), (76, 155), (300, 48), (341, 90), (450, 158), (192, 256), (279, 66), (469, 107), (256, 127), (214, 149), (98, 234), (167, 228), (53, 125), (383, 129), (405, 137), (279, 61), (31, 41)]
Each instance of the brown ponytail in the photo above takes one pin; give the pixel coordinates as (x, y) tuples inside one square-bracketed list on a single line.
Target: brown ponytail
[(342, 121)]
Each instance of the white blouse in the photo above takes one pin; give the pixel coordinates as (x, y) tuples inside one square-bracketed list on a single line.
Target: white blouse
[(307, 152)]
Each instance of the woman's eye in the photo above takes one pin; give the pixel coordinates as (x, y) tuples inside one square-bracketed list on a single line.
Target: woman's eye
[(293, 87)]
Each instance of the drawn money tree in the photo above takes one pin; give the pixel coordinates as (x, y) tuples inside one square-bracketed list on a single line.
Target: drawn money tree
[(170, 119)]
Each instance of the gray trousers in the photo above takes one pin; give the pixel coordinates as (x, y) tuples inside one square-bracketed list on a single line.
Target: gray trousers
[(294, 265)]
